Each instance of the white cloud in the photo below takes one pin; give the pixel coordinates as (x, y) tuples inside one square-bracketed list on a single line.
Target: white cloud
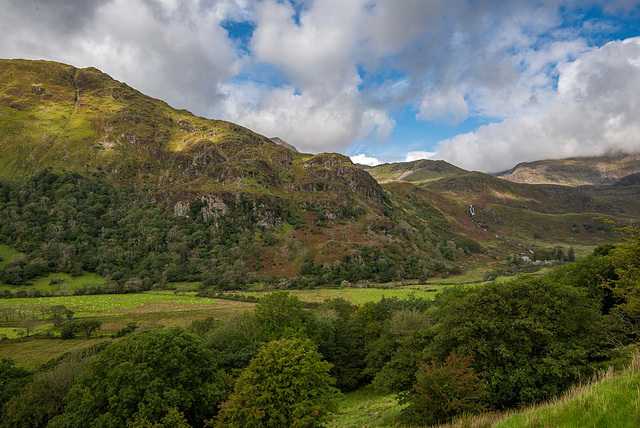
[(307, 120), (594, 110), (446, 106), (363, 159), (342, 66), (417, 155)]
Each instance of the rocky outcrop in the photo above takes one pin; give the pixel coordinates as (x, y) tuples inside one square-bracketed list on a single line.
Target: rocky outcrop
[(281, 142)]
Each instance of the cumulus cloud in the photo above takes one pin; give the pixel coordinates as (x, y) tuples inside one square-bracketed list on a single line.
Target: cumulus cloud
[(594, 110), (447, 106), (417, 155), (338, 69), (363, 159)]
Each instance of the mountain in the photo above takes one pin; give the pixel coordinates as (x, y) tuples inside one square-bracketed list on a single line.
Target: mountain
[(274, 208), (416, 171), (512, 215), (578, 171)]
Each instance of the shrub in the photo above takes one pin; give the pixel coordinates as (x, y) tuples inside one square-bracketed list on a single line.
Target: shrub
[(443, 391)]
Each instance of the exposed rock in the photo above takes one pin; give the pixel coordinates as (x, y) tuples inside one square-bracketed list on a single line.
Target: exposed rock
[(181, 209), (281, 142)]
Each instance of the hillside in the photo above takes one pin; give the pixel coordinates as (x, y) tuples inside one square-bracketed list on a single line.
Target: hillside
[(416, 171), (57, 120), (579, 171), (515, 216)]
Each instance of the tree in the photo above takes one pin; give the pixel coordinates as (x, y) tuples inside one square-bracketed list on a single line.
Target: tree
[(286, 385), (280, 315), (625, 285), (443, 391), (43, 398), (12, 379), (60, 314), (144, 376), (173, 419), (68, 331), (532, 337), (28, 325), (89, 327)]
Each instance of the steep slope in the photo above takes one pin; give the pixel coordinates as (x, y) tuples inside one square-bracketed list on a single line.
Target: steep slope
[(319, 208), (575, 171)]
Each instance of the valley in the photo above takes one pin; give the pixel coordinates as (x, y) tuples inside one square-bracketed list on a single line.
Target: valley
[(126, 221)]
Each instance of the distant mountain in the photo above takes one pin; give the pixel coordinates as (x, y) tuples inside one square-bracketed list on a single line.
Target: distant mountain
[(416, 171), (519, 214), (281, 142), (578, 171)]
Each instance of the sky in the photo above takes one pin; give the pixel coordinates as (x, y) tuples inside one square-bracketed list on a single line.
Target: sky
[(483, 84)]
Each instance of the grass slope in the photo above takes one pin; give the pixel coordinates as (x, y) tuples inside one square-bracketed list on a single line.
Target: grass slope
[(367, 408), (611, 399), (612, 402)]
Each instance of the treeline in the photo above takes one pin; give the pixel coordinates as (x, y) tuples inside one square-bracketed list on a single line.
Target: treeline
[(489, 347), (64, 222)]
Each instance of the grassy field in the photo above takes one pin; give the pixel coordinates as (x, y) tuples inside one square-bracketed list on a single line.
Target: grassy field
[(34, 352), (61, 284), (148, 310), (357, 296), (367, 408)]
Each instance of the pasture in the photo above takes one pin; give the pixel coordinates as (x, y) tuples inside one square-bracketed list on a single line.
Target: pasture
[(148, 310)]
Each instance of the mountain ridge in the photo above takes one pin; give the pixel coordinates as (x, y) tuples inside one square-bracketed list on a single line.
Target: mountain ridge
[(575, 171)]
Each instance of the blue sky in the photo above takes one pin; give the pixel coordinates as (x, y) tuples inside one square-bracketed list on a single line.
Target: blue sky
[(482, 84)]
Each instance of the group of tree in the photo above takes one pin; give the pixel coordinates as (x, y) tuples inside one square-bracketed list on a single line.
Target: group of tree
[(64, 222), (493, 347)]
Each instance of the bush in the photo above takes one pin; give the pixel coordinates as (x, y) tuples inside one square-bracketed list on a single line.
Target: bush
[(69, 331), (443, 391), (128, 329)]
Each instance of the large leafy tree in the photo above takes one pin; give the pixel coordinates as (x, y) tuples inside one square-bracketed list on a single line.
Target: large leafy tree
[(144, 376), (286, 385), (532, 337)]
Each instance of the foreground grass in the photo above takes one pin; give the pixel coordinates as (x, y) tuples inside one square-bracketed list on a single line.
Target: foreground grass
[(610, 400), (367, 408)]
